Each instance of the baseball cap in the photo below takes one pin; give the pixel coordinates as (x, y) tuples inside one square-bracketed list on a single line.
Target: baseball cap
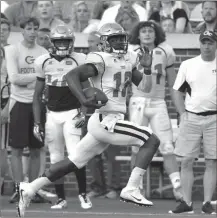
[(208, 35)]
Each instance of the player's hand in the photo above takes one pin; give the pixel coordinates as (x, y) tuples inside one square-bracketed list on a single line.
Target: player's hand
[(92, 102), (80, 120), (145, 58), (38, 132)]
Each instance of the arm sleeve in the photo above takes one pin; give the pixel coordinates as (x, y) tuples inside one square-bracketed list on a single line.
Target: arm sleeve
[(180, 81), (96, 60)]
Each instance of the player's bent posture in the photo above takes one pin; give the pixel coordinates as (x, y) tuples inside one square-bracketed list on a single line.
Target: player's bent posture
[(110, 71), (63, 107), (150, 108)]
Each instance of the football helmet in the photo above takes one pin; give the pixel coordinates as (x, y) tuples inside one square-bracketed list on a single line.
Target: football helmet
[(62, 39), (113, 39)]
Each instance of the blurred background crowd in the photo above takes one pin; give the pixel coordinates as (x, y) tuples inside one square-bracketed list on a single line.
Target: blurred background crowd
[(88, 16)]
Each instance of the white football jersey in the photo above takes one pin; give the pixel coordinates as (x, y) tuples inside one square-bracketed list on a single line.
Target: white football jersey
[(54, 71), (163, 58), (113, 72)]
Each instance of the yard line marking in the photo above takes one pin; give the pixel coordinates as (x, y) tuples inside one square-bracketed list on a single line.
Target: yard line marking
[(104, 213)]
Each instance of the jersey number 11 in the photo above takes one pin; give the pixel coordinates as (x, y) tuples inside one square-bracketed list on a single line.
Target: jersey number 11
[(118, 79)]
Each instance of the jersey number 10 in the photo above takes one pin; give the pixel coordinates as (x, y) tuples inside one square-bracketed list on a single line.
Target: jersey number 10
[(118, 79)]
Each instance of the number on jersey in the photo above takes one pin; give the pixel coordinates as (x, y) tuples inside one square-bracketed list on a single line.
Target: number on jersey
[(158, 68), (118, 80), (56, 82)]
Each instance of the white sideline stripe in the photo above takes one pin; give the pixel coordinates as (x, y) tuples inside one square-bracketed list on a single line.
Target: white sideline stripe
[(155, 159), (104, 213)]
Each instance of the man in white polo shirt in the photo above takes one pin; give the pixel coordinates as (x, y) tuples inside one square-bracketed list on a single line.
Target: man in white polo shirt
[(197, 76)]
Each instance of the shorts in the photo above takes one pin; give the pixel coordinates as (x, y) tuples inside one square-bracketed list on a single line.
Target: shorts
[(197, 130), (21, 126)]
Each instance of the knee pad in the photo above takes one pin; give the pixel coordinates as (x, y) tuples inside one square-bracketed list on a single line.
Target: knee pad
[(166, 148)]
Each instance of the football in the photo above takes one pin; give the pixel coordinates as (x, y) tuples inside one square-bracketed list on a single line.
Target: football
[(100, 95)]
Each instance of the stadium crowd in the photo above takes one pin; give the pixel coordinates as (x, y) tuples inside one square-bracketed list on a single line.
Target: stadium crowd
[(24, 156)]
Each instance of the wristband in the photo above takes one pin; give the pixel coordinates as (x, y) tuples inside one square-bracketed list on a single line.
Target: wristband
[(147, 71)]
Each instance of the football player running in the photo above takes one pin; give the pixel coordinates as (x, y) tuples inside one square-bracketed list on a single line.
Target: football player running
[(63, 116), (110, 71), (150, 108)]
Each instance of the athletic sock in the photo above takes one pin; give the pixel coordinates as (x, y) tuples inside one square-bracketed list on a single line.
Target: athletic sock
[(60, 191), (135, 178)]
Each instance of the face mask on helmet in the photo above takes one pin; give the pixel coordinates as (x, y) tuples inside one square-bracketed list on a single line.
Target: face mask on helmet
[(116, 43), (63, 47), (62, 39)]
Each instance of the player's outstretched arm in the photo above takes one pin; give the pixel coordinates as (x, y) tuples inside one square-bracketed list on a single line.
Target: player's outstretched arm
[(143, 80), (74, 79)]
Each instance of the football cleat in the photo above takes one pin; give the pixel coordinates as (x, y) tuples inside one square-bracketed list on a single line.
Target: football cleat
[(85, 201), (135, 197), (60, 204), (182, 208), (24, 198)]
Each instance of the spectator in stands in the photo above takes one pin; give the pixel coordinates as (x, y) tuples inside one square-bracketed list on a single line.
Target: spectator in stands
[(168, 25), (20, 66), (209, 13), (43, 38), (81, 16), (64, 9), (5, 31), (99, 8), (18, 10), (179, 15), (111, 13), (81, 21), (197, 76), (45, 14), (152, 7), (150, 108), (127, 18)]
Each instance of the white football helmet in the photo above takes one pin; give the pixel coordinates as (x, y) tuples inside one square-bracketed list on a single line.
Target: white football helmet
[(63, 40), (113, 38)]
